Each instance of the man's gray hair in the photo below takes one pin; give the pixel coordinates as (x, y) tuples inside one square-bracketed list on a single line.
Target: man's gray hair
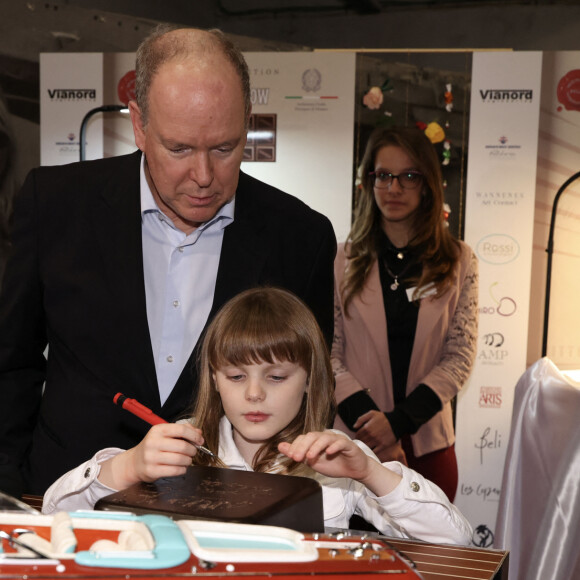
[(161, 47)]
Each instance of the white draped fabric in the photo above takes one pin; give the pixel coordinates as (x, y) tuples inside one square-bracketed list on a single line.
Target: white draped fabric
[(539, 511)]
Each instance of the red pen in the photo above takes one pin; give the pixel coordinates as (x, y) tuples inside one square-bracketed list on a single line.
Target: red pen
[(141, 411)]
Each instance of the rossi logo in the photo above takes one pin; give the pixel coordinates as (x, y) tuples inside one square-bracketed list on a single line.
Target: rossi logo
[(490, 397), (498, 249)]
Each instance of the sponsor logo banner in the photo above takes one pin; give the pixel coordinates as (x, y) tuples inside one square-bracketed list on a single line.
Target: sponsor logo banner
[(501, 178)]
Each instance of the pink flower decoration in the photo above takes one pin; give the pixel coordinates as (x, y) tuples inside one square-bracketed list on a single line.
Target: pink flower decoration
[(373, 98)]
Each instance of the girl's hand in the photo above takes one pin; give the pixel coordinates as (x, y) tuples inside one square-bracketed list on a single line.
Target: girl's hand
[(165, 451), (336, 455), (328, 453), (374, 429)]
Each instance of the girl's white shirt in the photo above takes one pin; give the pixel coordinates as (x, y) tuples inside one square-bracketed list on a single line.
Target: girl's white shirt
[(415, 509)]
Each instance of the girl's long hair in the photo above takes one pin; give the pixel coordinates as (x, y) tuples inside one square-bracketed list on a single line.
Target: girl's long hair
[(431, 239), (265, 325)]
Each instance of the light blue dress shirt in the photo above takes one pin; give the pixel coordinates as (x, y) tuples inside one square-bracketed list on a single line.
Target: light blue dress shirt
[(180, 277)]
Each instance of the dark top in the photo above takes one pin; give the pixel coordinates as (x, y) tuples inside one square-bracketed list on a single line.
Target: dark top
[(399, 269)]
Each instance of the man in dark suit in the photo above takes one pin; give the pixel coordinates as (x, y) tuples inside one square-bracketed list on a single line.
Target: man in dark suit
[(118, 264)]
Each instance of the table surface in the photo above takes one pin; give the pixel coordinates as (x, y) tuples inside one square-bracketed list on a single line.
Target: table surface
[(432, 561)]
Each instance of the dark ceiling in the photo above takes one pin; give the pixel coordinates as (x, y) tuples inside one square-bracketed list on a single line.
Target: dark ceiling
[(30, 27), (223, 9)]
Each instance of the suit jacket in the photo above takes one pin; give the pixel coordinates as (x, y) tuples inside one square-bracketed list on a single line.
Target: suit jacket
[(442, 355), (75, 282)]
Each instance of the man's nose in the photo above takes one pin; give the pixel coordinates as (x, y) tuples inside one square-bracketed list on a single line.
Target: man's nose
[(201, 170)]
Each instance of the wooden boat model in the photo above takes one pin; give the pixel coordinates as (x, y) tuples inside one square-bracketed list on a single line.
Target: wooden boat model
[(102, 544)]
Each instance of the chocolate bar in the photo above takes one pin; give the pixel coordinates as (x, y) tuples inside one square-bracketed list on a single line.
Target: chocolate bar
[(229, 495)]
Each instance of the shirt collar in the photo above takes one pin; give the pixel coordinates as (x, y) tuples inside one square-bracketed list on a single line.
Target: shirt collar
[(225, 214), (228, 451), (230, 454)]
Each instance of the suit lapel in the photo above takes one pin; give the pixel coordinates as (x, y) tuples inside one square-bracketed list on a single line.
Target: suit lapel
[(242, 260), (119, 207)]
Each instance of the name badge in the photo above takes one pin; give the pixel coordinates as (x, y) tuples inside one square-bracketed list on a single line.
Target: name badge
[(424, 292)]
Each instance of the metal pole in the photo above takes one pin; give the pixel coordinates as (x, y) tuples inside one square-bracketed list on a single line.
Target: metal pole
[(102, 109)]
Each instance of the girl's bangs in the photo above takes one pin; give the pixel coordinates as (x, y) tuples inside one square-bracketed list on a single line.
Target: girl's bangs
[(259, 340)]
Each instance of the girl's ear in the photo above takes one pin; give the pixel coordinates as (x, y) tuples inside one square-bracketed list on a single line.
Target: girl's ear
[(215, 383)]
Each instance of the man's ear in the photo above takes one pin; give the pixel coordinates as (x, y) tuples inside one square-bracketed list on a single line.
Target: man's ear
[(137, 122)]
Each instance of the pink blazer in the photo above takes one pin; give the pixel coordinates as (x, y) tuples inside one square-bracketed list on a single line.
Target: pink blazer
[(442, 356)]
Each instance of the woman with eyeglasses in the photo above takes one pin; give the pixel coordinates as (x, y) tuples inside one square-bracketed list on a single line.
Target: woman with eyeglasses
[(405, 310)]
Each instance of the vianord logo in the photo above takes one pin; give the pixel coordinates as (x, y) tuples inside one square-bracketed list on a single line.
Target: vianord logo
[(506, 95), (72, 94)]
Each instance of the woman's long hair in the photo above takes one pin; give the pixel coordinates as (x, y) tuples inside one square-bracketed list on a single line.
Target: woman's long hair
[(431, 239), (264, 325)]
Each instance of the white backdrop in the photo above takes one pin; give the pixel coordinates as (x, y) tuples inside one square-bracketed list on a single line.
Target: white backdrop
[(313, 97), (71, 84), (501, 180)]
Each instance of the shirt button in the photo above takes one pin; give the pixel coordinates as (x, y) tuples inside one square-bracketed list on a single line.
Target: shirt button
[(170, 359), (175, 303), (87, 473), (415, 486), (180, 249)]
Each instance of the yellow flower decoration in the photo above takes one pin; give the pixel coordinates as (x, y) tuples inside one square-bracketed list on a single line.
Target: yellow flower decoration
[(435, 132)]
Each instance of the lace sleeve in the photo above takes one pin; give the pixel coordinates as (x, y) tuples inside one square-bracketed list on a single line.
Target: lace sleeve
[(337, 353), (460, 345)]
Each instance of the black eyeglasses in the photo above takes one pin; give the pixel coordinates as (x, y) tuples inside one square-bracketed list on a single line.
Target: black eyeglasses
[(407, 180)]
